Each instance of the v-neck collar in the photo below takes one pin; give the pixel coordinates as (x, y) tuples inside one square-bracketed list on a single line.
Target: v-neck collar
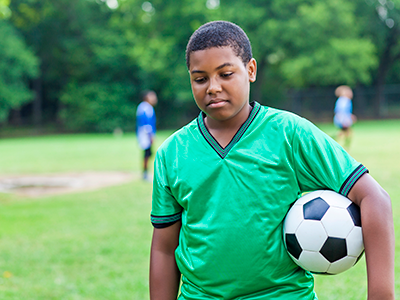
[(222, 152)]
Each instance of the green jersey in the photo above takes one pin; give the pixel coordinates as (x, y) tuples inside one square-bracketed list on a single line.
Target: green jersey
[(232, 202)]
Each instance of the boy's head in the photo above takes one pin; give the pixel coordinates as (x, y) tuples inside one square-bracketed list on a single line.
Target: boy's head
[(150, 97), (220, 34), (344, 91), (221, 68)]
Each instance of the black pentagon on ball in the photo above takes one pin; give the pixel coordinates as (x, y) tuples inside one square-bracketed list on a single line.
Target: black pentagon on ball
[(293, 245), (354, 211), (315, 209), (334, 249)]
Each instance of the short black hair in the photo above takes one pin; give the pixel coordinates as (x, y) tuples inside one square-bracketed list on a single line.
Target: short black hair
[(144, 94), (220, 34)]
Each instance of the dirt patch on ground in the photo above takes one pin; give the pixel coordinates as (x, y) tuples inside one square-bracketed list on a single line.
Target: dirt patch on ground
[(50, 184)]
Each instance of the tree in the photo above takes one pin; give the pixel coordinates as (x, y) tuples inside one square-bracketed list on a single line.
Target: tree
[(17, 65), (303, 43), (98, 54), (306, 43), (101, 97), (381, 23), (4, 9), (81, 55)]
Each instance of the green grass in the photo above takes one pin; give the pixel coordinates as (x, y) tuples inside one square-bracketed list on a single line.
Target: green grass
[(86, 246), (95, 245), (63, 153)]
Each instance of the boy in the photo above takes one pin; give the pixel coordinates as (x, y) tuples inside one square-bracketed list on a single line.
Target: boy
[(224, 183), (146, 126), (344, 117)]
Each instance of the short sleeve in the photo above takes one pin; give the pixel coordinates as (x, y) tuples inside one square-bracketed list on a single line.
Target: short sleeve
[(165, 209), (321, 163)]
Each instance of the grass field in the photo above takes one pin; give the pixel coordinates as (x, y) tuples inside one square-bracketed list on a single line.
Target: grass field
[(95, 245)]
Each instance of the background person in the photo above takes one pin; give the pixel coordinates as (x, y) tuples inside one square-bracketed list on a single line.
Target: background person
[(344, 117), (146, 126)]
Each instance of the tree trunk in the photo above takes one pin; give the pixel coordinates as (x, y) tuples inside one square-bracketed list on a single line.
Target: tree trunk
[(15, 117), (385, 62), (37, 103)]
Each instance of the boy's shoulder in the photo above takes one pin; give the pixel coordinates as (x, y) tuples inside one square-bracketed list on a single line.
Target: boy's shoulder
[(280, 113), (282, 118), (291, 124), (179, 136)]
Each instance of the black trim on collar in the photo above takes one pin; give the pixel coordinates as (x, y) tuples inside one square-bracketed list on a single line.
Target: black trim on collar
[(222, 152)]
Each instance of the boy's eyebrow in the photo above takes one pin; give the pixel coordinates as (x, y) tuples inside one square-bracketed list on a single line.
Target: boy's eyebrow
[(224, 65), (217, 68)]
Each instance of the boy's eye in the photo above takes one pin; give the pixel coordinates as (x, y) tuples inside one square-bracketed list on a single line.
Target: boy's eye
[(200, 79), (225, 75)]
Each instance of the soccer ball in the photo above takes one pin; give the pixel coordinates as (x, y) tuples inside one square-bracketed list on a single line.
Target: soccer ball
[(322, 232)]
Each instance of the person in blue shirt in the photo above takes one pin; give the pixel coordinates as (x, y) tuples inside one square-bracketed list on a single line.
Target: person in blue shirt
[(344, 117), (146, 126)]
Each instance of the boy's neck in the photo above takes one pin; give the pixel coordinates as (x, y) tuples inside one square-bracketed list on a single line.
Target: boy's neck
[(224, 131)]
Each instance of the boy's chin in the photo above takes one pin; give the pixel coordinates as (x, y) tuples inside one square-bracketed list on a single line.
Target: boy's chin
[(220, 116)]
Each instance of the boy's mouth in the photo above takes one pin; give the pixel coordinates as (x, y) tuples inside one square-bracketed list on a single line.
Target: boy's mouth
[(215, 103)]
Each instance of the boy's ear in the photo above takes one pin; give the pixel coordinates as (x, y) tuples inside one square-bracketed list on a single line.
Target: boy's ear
[(252, 69)]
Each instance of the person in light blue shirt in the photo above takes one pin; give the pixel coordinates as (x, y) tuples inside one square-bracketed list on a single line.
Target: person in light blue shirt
[(344, 117), (146, 126)]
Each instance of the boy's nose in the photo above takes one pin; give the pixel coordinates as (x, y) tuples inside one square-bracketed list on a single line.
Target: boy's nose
[(213, 87)]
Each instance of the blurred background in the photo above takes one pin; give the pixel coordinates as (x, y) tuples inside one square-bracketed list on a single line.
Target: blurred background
[(80, 65)]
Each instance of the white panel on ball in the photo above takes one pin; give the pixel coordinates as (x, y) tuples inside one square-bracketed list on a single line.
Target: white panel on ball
[(315, 261), (312, 241), (342, 265), (335, 216), (354, 241), (296, 217)]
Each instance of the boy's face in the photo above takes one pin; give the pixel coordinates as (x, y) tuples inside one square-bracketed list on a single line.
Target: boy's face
[(221, 82)]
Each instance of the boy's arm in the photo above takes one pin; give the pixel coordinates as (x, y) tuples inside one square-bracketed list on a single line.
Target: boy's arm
[(378, 235), (164, 273)]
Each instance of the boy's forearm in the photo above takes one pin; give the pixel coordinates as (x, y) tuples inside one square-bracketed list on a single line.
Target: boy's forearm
[(164, 277), (164, 273), (379, 248), (378, 234)]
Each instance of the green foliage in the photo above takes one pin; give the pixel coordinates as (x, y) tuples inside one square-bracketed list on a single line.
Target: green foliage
[(338, 61), (17, 65), (4, 9), (100, 95), (88, 79), (137, 45), (97, 107), (320, 44)]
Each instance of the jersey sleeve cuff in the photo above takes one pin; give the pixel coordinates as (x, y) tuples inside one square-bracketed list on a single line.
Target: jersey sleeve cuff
[(165, 221), (352, 179)]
